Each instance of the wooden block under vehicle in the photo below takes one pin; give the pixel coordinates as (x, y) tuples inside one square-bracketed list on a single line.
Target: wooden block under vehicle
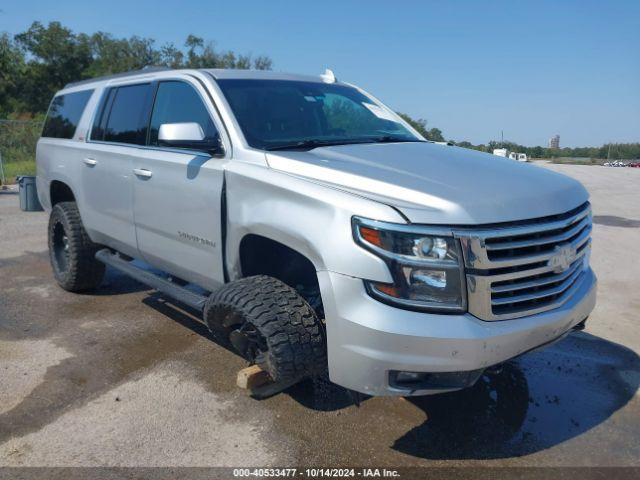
[(259, 383), (252, 377)]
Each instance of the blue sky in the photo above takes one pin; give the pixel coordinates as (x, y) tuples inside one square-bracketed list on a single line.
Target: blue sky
[(472, 69)]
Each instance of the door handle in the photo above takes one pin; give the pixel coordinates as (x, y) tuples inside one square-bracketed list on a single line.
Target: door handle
[(143, 172), (90, 162)]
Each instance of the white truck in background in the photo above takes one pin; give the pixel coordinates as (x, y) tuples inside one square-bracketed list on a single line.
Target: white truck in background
[(503, 152)]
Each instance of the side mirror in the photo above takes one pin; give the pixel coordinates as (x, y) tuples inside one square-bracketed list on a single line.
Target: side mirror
[(188, 135)]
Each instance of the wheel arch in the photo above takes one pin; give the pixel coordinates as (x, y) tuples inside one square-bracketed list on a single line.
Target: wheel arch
[(259, 254), (60, 191)]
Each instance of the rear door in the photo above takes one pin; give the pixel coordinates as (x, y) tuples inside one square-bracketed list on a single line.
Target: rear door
[(177, 192), (118, 132)]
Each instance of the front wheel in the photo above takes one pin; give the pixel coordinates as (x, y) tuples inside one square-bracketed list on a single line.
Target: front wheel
[(271, 325), (71, 251)]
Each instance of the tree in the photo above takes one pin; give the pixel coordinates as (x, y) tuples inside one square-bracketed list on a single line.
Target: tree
[(41, 60), (435, 134), (420, 125), (12, 65), (201, 55), (112, 55), (56, 57)]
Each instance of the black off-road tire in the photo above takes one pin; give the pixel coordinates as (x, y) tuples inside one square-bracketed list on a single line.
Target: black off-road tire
[(71, 251), (271, 325)]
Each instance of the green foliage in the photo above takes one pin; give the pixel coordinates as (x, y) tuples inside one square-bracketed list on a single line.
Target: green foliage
[(12, 69), (41, 60), (18, 140), (420, 125), (55, 56)]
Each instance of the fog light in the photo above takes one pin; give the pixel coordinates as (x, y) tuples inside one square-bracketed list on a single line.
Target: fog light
[(432, 381), (410, 377)]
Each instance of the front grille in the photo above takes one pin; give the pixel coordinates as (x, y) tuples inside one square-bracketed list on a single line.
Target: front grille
[(524, 268)]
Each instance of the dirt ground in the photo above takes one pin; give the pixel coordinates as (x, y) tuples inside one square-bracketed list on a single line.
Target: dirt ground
[(121, 378)]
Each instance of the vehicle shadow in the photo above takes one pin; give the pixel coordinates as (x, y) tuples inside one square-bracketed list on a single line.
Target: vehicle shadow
[(187, 317), (539, 400), (115, 283)]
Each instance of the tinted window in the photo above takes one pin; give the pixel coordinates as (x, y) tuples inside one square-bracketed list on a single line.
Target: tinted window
[(178, 102), (64, 114), (127, 120)]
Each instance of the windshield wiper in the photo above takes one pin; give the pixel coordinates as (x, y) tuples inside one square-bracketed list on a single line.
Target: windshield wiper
[(311, 144), (314, 143), (392, 139)]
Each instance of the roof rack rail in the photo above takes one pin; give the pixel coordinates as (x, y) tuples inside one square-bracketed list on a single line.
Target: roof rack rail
[(149, 69)]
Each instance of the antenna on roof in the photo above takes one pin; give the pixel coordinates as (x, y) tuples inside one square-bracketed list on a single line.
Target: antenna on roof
[(328, 76)]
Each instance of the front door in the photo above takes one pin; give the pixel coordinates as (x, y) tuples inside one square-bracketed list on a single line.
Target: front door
[(177, 192)]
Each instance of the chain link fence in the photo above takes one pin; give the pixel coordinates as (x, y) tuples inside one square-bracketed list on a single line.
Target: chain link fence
[(18, 140)]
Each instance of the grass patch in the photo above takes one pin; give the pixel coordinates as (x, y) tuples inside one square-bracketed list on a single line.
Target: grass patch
[(13, 169), (18, 140), (577, 161)]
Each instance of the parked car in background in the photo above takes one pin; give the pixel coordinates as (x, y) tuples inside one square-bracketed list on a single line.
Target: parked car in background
[(313, 227), (522, 157)]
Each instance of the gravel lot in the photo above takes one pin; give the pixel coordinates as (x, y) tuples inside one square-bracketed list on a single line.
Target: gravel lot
[(122, 378)]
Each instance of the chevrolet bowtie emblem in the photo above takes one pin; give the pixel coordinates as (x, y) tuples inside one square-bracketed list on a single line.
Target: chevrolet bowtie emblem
[(563, 257)]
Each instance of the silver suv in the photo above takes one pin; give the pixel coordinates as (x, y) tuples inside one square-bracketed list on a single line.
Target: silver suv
[(313, 226)]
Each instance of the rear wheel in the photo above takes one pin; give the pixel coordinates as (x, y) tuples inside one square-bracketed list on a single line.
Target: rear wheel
[(71, 251), (270, 325)]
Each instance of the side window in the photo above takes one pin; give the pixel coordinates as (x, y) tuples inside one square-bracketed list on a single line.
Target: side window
[(127, 118), (64, 114), (178, 102)]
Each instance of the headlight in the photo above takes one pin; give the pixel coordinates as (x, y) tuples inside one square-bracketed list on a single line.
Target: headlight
[(425, 264)]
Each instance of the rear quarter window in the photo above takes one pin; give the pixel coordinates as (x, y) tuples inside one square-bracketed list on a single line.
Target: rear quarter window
[(64, 114)]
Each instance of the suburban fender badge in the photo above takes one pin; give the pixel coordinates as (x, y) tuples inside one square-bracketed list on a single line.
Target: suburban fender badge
[(196, 239)]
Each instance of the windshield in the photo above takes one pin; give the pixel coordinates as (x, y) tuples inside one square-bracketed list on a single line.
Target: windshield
[(286, 114)]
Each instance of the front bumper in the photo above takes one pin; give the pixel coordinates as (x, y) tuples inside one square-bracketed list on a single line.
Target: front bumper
[(367, 339)]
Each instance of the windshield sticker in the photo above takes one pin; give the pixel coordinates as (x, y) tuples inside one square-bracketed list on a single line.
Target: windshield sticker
[(379, 112)]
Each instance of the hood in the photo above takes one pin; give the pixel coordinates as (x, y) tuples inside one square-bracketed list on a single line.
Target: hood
[(437, 184)]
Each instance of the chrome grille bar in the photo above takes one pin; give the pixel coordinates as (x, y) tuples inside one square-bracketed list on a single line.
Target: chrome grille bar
[(584, 223), (538, 282), (525, 297), (514, 270)]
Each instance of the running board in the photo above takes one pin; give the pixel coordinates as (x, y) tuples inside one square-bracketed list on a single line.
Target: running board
[(180, 294)]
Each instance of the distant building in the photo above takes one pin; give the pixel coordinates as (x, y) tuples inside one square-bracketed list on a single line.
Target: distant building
[(554, 142)]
